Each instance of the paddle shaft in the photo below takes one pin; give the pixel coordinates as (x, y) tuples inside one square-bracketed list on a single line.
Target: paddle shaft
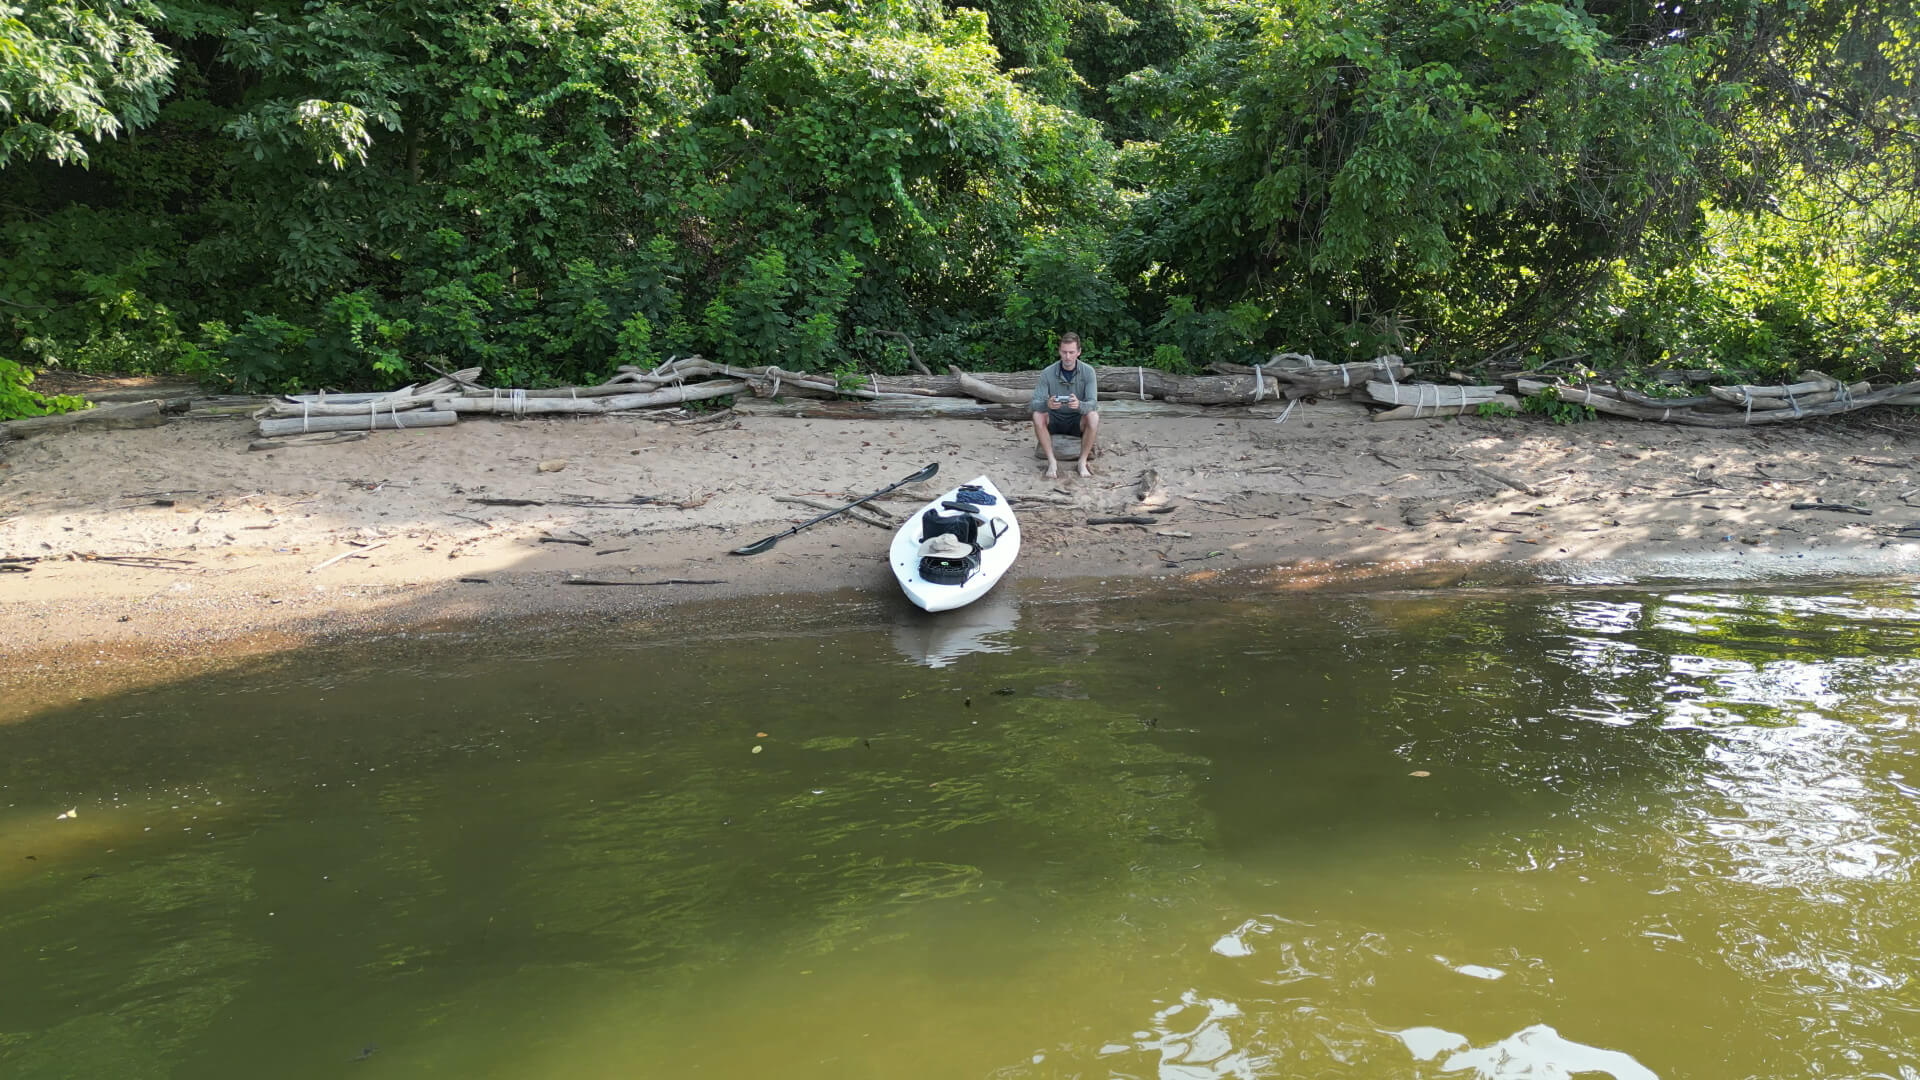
[(759, 546)]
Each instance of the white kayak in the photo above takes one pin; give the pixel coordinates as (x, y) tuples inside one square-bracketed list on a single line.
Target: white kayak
[(952, 550)]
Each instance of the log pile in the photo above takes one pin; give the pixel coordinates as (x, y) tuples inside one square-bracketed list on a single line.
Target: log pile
[(1815, 394), (770, 390), (1282, 381)]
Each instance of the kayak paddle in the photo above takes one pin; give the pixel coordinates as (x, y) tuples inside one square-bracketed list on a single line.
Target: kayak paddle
[(759, 546)]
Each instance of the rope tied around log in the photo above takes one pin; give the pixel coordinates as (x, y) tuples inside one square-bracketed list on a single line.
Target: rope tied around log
[(1436, 403)]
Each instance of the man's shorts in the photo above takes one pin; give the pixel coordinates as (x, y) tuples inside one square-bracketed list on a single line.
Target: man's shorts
[(1063, 422)]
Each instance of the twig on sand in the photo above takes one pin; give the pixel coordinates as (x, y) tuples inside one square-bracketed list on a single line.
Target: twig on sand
[(138, 562), (1500, 477), (347, 555)]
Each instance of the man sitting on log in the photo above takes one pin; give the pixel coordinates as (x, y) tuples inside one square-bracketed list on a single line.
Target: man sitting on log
[(1066, 401)]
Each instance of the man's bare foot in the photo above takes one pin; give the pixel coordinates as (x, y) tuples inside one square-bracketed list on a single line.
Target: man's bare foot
[(1053, 469), (1084, 471)]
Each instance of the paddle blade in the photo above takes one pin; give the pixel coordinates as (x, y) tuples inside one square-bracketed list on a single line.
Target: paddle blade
[(923, 474), (756, 547)]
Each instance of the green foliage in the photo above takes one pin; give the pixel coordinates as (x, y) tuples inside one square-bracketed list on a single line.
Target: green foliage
[(1550, 404), (18, 399), (1491, 409), (1771, 293), (73, 70), (1454, 168), (337, 192)]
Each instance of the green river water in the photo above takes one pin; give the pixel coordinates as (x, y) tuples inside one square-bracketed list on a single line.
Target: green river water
[(1458, 833)]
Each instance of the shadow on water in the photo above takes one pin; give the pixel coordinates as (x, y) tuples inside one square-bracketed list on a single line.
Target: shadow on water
[(1409, 833)]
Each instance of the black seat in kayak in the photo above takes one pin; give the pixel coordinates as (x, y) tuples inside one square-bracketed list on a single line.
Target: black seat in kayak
[(964, 527), (950, 569)]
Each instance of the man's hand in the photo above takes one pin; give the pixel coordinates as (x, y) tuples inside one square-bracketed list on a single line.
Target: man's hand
[(1073, 403)]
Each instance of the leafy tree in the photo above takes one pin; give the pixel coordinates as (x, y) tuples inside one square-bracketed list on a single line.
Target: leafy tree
[(72, 70)]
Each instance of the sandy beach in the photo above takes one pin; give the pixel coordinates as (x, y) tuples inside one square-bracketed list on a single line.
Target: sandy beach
[(1326, 495)]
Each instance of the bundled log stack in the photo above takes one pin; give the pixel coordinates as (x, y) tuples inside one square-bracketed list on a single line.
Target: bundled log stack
[(1285, 379), (1815, 394)]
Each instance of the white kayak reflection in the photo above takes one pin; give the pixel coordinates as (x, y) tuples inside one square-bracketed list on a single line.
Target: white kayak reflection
[(1537, 1053), (984, 626)]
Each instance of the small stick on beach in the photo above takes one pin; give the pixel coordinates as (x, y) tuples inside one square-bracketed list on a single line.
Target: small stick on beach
[(347, 555)]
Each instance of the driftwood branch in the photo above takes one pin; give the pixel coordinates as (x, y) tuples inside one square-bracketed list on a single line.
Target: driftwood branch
[(133, 414), (318, 439), (974, 386), (913, 357), (1502, 478)]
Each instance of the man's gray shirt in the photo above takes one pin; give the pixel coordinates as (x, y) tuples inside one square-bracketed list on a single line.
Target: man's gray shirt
[(1054, 382)]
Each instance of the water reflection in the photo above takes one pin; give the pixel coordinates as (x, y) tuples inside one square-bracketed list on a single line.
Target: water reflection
[(936, 640), (1408, 836), (1535, 1053)]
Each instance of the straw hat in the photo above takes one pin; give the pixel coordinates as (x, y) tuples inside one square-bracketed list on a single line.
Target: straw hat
[(945, 546)]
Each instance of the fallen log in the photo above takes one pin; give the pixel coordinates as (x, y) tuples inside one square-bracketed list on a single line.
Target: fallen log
[(974, 386), (1811, 385), (1424, 395), (511, 403), (1423, 412), (162, 391), (386, 421), (278, 409), (133, 414)]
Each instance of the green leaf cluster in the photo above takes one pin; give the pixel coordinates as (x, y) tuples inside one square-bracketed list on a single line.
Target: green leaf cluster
[(18, 399)]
